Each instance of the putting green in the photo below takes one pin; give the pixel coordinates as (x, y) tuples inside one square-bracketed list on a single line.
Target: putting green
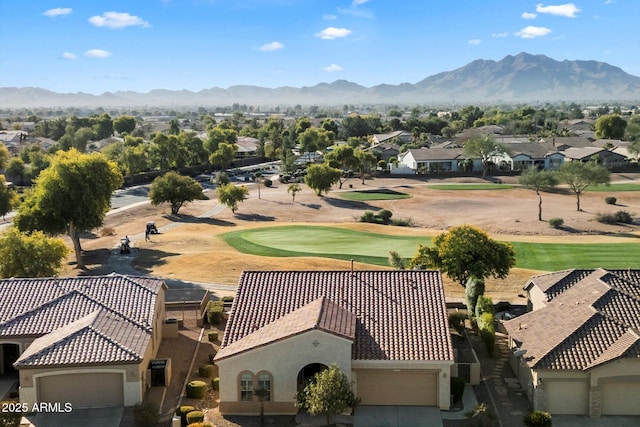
[(373, 248)]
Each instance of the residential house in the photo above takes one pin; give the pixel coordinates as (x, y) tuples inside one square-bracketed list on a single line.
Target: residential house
[(578, 350), (247, 146), (523, 155), (434, 160), (87, 341), (386, 330), (604, 157)]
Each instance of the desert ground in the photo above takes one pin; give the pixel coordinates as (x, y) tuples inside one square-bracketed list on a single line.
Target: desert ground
[(190, 248)]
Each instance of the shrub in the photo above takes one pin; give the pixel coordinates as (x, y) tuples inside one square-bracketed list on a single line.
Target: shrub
[(268, 183), (402, 222), (227, 299), (457, 388), (215, 311), (483, 305), (624, 217), (614, 218), (196, 389), (384, 216), (215, 383), (182, 412), (222, 179), (456, 321), (146, 414), (107, 231), (10, 418), (205, 371), (473, 290), (213, 336), (537, 419), (489, 339), (556, 222), (368, 216), (610, 200), (195, 417)]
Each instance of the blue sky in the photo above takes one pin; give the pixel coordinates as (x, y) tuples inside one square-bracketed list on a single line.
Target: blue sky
[(99, 46)]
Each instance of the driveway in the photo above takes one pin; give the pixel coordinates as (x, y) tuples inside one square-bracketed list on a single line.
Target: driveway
[(99, 417), (397, 416)]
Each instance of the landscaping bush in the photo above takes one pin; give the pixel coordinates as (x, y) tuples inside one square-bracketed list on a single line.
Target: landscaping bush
[(215, 383), (227, 299), (9, 418), (196, 389), (222, 178), (610, 200), (456, 321), (556, 222), (182, 412), (202, 424), (268, 183), (537, 419), (195, 417), (215, 311), (488, 337), (614, 218), (205, 371), (385, 216), (473, 290), (213, 336), (402, 222), (457, 388), (483, 305), (107, 231), (146, 414), (624, 217), (368, 216)]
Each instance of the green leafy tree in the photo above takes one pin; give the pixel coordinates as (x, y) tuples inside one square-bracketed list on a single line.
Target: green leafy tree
[(537, 180), (167, 152), (483, 147), (4, 156), (224, 155), (343, 158), (71, 196), (176, 190), (474, 288), (135, 159), (16, 169), (634, 149), (294, 189), (365, 161), (321, 177), (124, 124), (30, 255), (8, 197), (329, 393), (610, 126), (396, 260), (230, 195), (466, 251), (579, 176), (314, 139)]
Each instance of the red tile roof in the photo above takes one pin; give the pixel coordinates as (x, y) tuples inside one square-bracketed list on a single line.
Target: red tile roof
[(400, 315), (592, 317)]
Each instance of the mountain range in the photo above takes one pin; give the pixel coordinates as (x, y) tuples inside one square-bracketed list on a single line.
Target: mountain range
[(514, 79)]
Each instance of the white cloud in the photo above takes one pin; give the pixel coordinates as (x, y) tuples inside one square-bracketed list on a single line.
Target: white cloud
[(569, 10), (358, 2), (58, 11), (609, 1), (529, 15), (270, 47), (332, 33), (333, 67), (474, 42), (505, 34), (532, 32), (97, 53), (69, 55), (117, 20)]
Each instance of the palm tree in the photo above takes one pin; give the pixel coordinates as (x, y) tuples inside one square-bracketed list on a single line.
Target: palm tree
[(262, 394)]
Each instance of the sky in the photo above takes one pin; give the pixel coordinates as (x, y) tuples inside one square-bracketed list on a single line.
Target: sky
[(94, 46)]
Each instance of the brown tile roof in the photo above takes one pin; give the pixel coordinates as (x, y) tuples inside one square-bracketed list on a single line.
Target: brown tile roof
[(400, 315), (320, 314), (47, 307), (592, 317)]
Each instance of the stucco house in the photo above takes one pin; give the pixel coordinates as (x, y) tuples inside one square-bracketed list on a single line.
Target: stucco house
[(523, 155), (578, 350), (604, 157), (386, 330), (86, 341)]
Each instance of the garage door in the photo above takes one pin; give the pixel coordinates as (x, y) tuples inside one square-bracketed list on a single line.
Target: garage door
[(621, 398), (82, 390), (405, 387), (567, 397)]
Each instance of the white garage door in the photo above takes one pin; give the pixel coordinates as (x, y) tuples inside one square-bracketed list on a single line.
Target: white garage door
[(406, 387), (567, 397), (83, 390), (621, 398)]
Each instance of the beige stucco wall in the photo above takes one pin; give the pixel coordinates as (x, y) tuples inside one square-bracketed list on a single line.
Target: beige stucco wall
[(536, 298), (442, 367), (284, 360), (132, 386)]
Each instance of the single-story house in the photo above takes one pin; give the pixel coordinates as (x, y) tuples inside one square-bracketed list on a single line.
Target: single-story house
[(604, 157), (386, 330), (87, 341), (523, 155), (247, 146), (578, 350), (400, 137), (435, 160)]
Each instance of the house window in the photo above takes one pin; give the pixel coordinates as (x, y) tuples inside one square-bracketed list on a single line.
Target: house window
[(264, 383), (246, 387)]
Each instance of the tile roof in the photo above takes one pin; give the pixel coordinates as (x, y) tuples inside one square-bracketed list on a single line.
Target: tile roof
[(400, 315), (423, 154), (591, 317), (320, 314), (47, 307)]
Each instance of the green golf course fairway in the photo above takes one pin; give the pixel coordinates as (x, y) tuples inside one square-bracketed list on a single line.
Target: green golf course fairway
[(373, 248)]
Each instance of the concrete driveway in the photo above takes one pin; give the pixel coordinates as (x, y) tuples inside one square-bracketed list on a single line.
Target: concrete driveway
[(397, 416), (99, 417)]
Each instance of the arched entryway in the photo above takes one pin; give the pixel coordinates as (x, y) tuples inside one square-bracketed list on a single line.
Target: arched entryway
[(9, 353), (308, 372)]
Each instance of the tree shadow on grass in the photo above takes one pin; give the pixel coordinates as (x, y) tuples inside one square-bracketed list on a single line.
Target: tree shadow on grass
[(95, 261), (199, 220), (350, 204), (255, 217), (148, 258), (311, 205)]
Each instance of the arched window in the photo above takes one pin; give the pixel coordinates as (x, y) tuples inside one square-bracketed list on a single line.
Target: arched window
[(246, 387), (264, 383)]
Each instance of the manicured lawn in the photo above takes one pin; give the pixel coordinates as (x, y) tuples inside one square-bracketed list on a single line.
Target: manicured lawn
[(373, 248), (469, 186), (615, 187), (381, 194)]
